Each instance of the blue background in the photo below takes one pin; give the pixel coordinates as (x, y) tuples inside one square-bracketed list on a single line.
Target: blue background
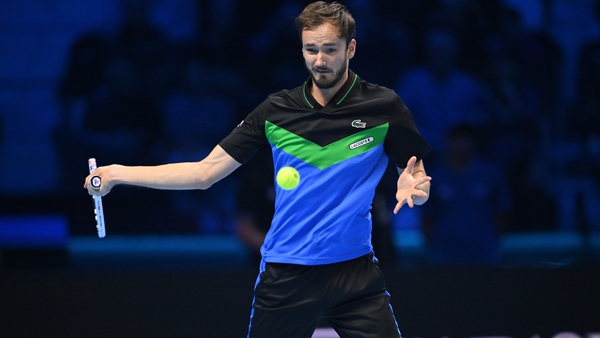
[(149, 82)]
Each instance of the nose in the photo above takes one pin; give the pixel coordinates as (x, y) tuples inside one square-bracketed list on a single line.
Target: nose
[(320, 62)]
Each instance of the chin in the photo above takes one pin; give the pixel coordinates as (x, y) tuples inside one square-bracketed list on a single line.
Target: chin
[(324, 83)]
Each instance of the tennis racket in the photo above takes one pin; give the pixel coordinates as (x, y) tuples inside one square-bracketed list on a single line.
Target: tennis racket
[(98, 209)]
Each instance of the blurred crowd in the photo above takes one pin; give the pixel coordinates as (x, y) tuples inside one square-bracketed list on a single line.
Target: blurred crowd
[(511, 111)]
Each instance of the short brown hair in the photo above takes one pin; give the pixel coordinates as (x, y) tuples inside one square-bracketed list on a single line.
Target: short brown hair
[(320, 12)]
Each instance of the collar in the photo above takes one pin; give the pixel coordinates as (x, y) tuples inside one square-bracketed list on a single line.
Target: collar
[(337, 98)]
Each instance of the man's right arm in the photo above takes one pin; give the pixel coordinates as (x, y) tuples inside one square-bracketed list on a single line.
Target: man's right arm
[(175, 176)]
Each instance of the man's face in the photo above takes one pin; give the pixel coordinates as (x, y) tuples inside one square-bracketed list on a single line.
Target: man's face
[(326, 55)]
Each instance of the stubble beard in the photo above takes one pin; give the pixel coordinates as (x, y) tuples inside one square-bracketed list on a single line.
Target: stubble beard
[(323, 82)]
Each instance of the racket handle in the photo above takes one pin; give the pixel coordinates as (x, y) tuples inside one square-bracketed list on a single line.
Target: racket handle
[(98, 209)]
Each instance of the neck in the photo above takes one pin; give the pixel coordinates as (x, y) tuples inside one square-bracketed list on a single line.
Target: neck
[(323, 96)]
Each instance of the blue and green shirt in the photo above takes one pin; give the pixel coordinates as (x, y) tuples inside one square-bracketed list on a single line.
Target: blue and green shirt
[(341, 151)]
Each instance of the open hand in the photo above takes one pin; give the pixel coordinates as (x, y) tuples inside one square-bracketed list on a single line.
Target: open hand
[(412, 190)]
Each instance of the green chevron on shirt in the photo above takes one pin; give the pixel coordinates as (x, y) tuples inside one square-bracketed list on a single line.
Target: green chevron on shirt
[(323, 157)]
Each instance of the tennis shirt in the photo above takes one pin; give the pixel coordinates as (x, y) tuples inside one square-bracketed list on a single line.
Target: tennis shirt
[(341, 151)]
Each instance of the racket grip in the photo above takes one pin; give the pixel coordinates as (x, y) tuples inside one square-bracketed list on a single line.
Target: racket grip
[(98, 209)]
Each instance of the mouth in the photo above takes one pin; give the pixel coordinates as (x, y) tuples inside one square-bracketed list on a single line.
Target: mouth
[(321, 71)]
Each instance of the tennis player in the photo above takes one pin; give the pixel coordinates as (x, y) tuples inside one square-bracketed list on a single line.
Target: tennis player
[(338, 131)]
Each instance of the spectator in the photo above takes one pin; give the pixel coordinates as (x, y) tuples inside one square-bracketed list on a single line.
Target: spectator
[(464, 219), (196, 115), (587, 119), (576, 181), (273, 47), (79, 85), (439, 94)]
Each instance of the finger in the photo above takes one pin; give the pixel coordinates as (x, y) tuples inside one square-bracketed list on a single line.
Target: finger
[(410, 165), (398, 206), (422, 180), (419, 193), (410, 201), (90, 190), (89, 186)]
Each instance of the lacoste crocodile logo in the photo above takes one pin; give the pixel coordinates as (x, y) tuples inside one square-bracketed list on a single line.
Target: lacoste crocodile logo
[(359, 124)]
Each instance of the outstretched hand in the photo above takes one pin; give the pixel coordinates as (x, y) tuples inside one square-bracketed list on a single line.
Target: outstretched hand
[(412, 190)]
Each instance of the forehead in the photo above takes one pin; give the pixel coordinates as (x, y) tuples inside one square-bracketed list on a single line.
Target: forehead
[(325, 34)]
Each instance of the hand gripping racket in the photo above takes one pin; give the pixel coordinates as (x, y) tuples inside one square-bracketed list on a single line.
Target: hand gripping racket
[(95, 182)]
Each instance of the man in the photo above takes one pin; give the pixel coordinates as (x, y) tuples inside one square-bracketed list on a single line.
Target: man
[(338, 131)]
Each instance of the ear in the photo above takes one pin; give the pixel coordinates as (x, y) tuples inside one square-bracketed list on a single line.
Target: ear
[(351, 48)]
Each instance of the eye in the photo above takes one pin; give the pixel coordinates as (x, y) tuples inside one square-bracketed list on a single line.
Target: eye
[(330, 50), (311, 50)]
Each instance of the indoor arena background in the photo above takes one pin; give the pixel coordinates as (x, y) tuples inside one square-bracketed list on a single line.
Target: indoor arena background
[(512, 85)]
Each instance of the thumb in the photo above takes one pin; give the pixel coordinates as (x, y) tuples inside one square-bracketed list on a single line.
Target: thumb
[(410, 165)]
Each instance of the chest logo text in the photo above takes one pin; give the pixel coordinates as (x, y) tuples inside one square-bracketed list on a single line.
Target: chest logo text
[(361, 143)]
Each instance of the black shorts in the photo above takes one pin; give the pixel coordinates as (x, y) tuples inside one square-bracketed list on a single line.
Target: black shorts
[(290, 300)]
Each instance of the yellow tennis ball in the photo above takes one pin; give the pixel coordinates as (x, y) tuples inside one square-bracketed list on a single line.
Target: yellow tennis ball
[(288, 178)]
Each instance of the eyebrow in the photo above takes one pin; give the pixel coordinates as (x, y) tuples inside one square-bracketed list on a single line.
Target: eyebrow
[(325, 44)]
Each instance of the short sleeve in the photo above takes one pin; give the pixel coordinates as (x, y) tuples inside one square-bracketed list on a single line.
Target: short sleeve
[(248, 137), (403, 139)]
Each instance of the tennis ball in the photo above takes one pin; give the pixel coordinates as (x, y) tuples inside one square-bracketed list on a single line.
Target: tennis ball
[(288, 178)]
